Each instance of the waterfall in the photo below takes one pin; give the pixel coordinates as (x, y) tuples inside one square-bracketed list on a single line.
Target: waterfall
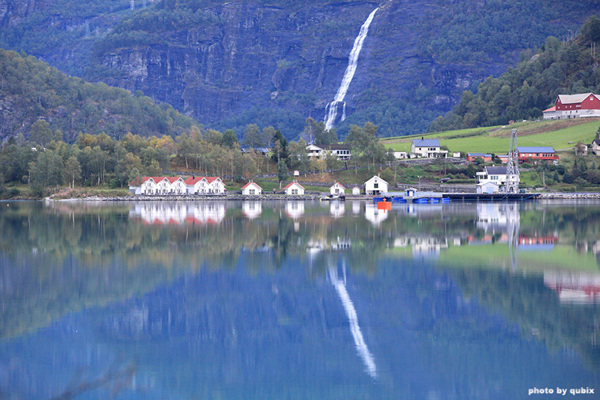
[(332, 108)]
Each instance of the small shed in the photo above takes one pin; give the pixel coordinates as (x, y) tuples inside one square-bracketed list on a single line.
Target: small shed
[(337, 189), (411, 192), (356, 190)]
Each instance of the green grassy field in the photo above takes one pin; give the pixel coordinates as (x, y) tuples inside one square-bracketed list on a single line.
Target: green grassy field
[(561, 135)]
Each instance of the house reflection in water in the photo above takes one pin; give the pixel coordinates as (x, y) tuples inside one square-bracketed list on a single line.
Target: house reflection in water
[(356, 207), (574, 287), (423, 247), (178, 213), (337, 209), (294, 209), (252, 209)]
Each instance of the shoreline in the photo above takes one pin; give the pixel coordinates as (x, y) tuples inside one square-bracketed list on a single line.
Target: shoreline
[(280, 197)]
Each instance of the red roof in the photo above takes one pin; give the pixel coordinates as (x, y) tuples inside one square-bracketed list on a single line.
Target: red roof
[(193, 180), (553, 108), (172, 179), (291, 183), (211, 179), (343, 187), (251, 183)]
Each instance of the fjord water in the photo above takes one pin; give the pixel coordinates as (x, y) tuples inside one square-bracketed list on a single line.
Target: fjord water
[(298, 300)]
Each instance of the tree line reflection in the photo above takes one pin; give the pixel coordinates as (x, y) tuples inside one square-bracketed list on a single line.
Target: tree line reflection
[(81, 255)]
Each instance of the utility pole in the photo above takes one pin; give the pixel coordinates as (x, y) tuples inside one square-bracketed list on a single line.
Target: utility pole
[(512, 166)]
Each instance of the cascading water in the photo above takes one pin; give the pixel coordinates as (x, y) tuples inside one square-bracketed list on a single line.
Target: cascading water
[(332, 108)]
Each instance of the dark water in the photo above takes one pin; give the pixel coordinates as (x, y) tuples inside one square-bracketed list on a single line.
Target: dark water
[(298, 301)]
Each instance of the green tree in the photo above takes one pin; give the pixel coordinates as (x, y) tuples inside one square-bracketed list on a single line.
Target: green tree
[(253, 138), (45, 172), (282, 171), (41, 132), (72, 170), (230, 138)]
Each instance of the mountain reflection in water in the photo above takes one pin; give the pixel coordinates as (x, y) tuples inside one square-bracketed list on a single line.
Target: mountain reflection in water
[(253, 300)]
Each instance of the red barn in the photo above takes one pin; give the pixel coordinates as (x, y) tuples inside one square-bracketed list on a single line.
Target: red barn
[(574, 106)]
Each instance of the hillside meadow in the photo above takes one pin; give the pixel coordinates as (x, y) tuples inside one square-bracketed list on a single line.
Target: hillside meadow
[(561, 135)]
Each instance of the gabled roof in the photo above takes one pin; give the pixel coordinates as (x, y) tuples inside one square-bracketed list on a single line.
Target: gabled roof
[(535, 149), (192, 180), (251, 183), (573, 98), (172, 179), (292, 183), (426, 142), (337, 183), (551, 109), (495, 170), (158, 179), (211, 179), (376, 177)]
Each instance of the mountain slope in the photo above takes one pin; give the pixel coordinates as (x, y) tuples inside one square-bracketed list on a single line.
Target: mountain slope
[(525, 91), (31, 90), (273, 62)]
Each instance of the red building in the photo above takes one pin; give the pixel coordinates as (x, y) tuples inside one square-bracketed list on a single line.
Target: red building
[(473, 157), (574, 106), (534, 154)]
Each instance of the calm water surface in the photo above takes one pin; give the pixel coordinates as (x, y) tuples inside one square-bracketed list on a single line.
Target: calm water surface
[(298, 300)]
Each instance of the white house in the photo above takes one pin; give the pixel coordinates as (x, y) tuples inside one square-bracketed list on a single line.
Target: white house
[(400, 154), (178, 185), (428, 148), (251, 188), (492, 174), (356, 190), (294, 188), (375, 186), (196, 185), (341, 151), (215, 185), (337, 189)]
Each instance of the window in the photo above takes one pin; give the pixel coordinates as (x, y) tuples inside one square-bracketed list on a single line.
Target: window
[(294, 191), (376, 185), (251, 191)]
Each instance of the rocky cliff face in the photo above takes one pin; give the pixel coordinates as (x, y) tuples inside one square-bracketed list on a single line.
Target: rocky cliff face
[(281, 66)]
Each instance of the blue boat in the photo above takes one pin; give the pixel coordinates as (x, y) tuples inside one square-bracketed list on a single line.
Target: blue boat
[(445, 200), (434, 200), (378, 199), (421, 200)]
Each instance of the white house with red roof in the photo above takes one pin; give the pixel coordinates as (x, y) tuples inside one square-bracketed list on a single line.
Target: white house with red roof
[(294, 188), (205, 185), (337, 189), (251, 189), (582, 105)]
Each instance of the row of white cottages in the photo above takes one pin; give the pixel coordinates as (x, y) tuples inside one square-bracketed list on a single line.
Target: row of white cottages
[(176, 185)]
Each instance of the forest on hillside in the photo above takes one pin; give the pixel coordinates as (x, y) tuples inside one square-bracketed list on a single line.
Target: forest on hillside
[(31, 90), (524, 92)]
